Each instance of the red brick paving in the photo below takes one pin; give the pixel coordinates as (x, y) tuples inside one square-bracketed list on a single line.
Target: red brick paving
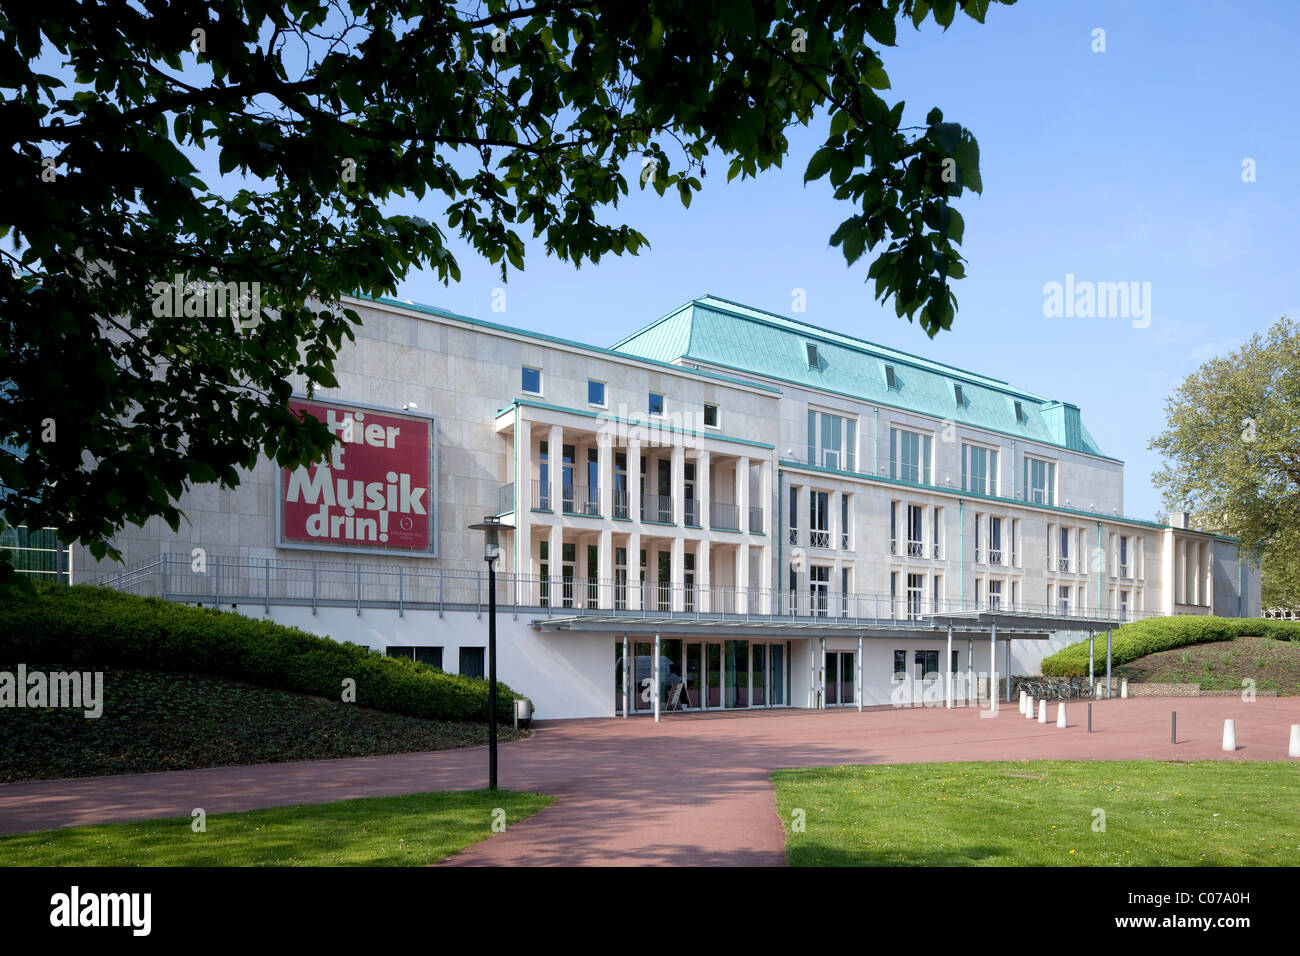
[(691, 790)]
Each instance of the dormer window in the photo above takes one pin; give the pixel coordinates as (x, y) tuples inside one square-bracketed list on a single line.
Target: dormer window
[(891, 379), (961, 399), (1021, 417), (814, 360)]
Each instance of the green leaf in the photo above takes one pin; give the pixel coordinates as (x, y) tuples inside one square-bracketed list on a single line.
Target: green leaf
[(820, 164)]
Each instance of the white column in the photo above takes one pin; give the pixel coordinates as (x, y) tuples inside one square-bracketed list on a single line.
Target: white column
[(634, 569), (657, 678), (993, 668), (970, 670), (947, 669), (859, 675), (677, 578), (555, 548), (677, 486), (742, 494), (627, 679), (702, 481), (634, 480), (605, 571), (605, 473), (765, 487), (523, 510), (555, 455), (702, 574), (821, 675), (743, 604)]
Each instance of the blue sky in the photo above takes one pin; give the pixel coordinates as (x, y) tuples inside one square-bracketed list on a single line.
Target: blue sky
[(1117, 166)]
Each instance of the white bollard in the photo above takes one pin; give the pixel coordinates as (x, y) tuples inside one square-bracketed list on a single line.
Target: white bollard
[(1022, 700), (1123, 688), (1060, 714), (1294, 749), (1029, 707), (1230, 735), (1042, 711)]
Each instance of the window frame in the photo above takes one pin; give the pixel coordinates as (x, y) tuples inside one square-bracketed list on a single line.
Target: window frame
[(604, 393), (523, 371)]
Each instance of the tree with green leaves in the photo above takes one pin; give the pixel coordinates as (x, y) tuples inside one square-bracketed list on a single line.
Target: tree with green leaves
[(1231, 445), (134, 361)]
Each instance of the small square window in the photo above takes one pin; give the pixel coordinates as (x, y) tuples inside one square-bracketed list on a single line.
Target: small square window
[(531, 380), (711, 416), (595, 393), (656, 405), (891, 379), (471, 661)]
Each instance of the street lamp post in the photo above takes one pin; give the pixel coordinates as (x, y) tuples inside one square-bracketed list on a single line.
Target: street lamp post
[(491, 528)]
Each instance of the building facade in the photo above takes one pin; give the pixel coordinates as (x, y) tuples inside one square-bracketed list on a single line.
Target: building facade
[(728, 508)]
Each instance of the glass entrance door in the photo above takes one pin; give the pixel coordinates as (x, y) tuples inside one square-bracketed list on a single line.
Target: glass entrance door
[(776, 676), (713, 675), (693, 692), (841, 677), (758, 658), (643, 682)]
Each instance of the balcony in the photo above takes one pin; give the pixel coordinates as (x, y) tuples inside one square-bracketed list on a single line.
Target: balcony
[(582, 500), (414, 586), (692, 512), (818, 538), (844, 541), (1123, 571), (620, 504), (755, 520), (995, 556), (541, 500), (1063, 564), (915, 549), (657, 508), (724, 516)]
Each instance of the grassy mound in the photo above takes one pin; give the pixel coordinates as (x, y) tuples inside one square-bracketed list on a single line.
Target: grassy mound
[(155, 721), (83, 628), (1155, 634)]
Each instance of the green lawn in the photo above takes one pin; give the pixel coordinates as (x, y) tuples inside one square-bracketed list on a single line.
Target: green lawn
[(411, 830), (1041, 813)]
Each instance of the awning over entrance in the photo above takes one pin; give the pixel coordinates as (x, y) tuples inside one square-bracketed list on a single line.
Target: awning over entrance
[(935, 630)]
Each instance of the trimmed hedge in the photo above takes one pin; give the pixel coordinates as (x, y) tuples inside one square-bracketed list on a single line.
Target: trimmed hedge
[(1154, 634), (83, 627)]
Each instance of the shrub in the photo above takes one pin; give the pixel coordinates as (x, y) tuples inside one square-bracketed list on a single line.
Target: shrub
[(83, 627), (1149, 636)]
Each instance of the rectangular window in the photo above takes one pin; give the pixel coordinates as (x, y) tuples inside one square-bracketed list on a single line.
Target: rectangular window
[(1123, 556), (891, 377), (900, 664), (656, 404), (893, 527), (1021, 417), (423, 654), (595, 393), (915, 541), (814, 361), (995, 595), (471, 661), (910, 454), (995, 540), (1065, 600), (1063, 555), (975, 539), (531, 380), (927, 665), (935, 527), (794, 514), (961, 399), (979, 469), (915, 588), (832, 441), (711, 416), (818, 517), (1040, 481), (844, 522)]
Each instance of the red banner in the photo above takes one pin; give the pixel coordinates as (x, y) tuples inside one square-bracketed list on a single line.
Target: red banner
[(375, 491)]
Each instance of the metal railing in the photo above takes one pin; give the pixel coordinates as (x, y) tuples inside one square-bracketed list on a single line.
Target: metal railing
[(226, 580), (915, 549), (691, 512), (724, 516), (818, 538), (620, 504), (582, 500), (755, 520), (657, 508), (541, 500)]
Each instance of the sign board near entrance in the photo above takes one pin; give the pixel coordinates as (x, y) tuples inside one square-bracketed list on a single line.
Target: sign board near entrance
[(376, 492)]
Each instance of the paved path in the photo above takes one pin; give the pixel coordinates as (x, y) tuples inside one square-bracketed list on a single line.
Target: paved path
[(691, 790)]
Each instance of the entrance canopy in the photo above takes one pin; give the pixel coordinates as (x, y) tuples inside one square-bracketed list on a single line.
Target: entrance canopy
[(935, 630), (1030, 620)]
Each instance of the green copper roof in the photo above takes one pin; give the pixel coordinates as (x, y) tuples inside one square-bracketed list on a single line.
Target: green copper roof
[(741, 339)]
